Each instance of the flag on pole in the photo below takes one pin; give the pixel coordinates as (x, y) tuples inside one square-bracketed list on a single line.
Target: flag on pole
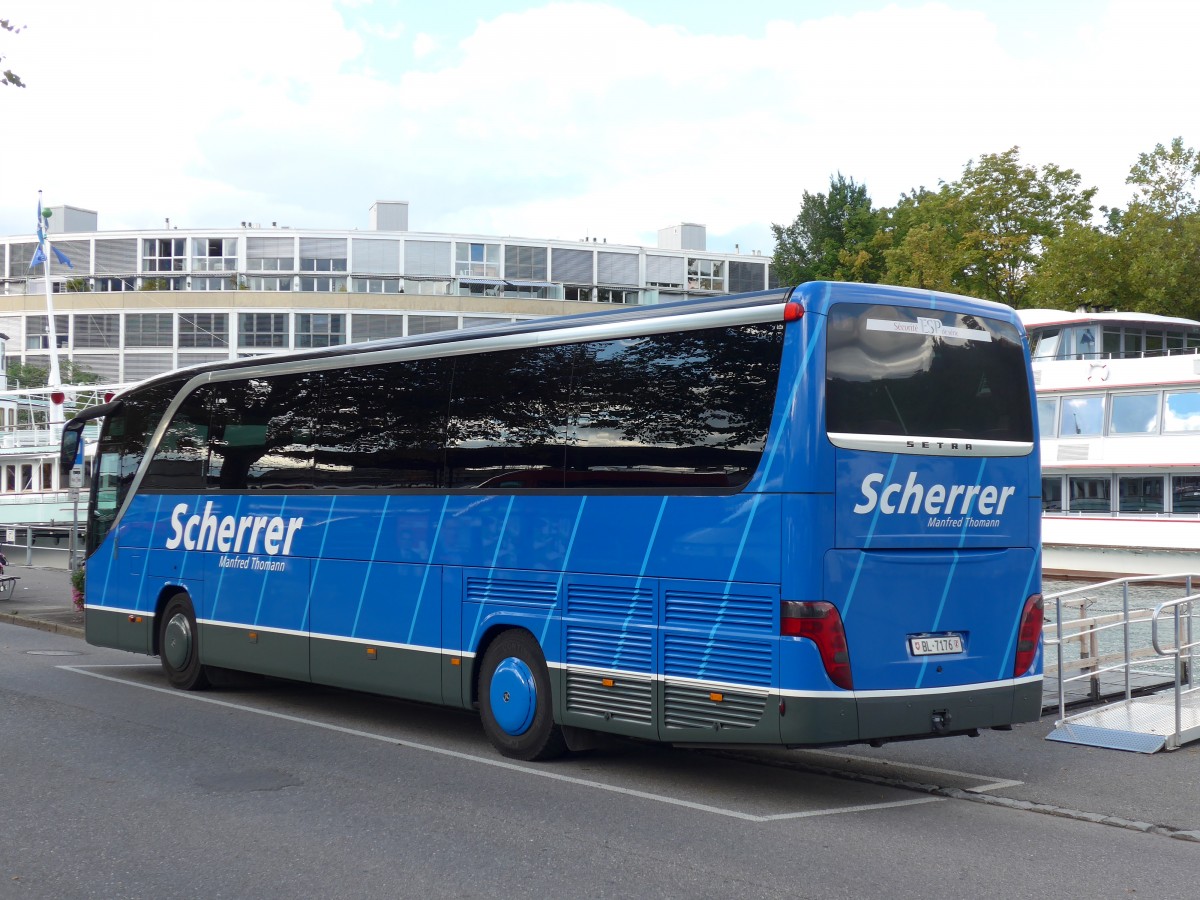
[(39, 254)]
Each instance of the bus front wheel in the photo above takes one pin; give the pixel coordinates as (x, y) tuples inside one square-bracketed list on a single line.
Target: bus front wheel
[(515, 701), (177, 645)]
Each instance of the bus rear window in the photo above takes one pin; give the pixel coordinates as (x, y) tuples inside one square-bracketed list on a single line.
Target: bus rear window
[(925, 373)]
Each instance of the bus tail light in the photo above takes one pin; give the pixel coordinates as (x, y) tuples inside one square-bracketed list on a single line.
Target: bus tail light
[(820, 623), (793, 311), (1028, 635)]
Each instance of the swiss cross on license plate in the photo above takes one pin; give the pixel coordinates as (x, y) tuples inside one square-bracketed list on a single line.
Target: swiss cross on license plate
[(935, 644)]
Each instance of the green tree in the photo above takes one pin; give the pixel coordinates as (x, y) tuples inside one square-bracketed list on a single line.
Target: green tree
[(8, 77), (832, 237), (1164, 179), (983, 235), (919, 240), (30, 375), (1144, 257)]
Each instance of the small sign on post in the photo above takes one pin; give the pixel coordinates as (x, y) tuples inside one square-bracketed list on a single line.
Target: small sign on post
[(76, 478)]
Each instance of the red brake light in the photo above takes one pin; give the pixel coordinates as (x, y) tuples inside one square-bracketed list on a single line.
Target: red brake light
[(1029, 635), (820, 623), (792, 312)]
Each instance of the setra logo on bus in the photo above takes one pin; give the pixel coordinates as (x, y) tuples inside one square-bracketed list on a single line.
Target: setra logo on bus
[(230, 534), (934, 499)]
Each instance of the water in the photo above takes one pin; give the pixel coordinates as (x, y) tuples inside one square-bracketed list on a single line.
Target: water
[(1148, 669)]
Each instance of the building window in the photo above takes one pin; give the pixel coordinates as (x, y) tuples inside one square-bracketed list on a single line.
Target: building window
[(269, 282), (148, 330), (269, 330), (203, 330), (114, 284), (377, 285), (320, 329), (705, 275), (527, 263), (97, 330), (163, 254), (226, 283), (322, 255), (161, 284), (214, 254), (578, 293), (323, 285), (477, 260), (616, 295), (271, 264), (37, 337)]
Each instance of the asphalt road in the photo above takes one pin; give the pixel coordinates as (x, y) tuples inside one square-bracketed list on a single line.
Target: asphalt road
[(115, 786)]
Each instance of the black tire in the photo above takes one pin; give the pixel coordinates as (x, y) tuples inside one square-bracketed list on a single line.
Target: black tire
[(178, 645), (514, 666)]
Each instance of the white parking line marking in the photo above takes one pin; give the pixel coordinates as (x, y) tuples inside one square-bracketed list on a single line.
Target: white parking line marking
[(488, 761), (986, 786)]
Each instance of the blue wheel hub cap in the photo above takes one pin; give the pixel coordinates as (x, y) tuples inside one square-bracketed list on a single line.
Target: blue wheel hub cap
[(513, 695)]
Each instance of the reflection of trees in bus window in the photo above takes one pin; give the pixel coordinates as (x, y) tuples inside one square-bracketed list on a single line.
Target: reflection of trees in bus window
[(383, 426), (680, 410), (508, 412)]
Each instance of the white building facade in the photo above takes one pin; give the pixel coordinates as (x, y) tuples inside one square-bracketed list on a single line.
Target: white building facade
[(137, 303)]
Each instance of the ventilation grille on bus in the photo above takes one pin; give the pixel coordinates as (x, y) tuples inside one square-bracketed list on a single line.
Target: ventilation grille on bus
[(610, 649), (510, 591), (688, 706), (1072, 452), (713, 659), (622, 699), (747, 612), (627, 603)]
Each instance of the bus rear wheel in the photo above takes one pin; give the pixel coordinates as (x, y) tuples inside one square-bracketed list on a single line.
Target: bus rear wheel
[(178, 648), (515, 701)]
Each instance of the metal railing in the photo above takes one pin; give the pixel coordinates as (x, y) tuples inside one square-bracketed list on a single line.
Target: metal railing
[(1185, 672), (1089, 632)]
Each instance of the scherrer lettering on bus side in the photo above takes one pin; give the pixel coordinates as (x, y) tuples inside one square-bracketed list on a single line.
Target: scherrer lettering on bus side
[(934, 499), (229, 534)]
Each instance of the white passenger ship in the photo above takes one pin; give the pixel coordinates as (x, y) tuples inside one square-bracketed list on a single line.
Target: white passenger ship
[(1119, 415)]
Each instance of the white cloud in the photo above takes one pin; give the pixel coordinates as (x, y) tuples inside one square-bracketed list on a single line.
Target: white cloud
[(564, 119)]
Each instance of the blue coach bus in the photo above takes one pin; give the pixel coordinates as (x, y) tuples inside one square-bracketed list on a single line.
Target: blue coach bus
[(795, 517)]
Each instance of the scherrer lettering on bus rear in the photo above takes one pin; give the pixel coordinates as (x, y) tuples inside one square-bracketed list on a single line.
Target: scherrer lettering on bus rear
[(934, 499)]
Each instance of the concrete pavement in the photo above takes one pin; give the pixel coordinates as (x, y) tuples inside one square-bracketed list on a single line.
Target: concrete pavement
[(41, 598)]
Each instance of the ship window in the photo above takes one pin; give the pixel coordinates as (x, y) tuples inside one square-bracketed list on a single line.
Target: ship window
[(1134, 414), (1183, 411), (1185, 493), (1090, 494), (1052, 494), (1046, 346), (1140, 493), (1047, 415), (1081, 416)]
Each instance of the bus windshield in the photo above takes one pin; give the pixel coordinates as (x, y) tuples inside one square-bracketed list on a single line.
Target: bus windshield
[(902, 371)]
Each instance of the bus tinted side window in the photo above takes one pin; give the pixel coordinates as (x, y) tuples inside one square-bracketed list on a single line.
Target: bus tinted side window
[(261, 432), (686, 410), (508, 417), (384, 427)]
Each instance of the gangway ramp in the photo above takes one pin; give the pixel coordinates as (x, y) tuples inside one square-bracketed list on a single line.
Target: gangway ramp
[(1165, 720)]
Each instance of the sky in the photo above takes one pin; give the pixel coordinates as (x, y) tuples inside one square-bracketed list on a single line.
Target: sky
[(606, 120)]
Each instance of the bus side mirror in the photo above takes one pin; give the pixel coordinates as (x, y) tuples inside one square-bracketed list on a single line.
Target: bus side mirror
[(71, 452)]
